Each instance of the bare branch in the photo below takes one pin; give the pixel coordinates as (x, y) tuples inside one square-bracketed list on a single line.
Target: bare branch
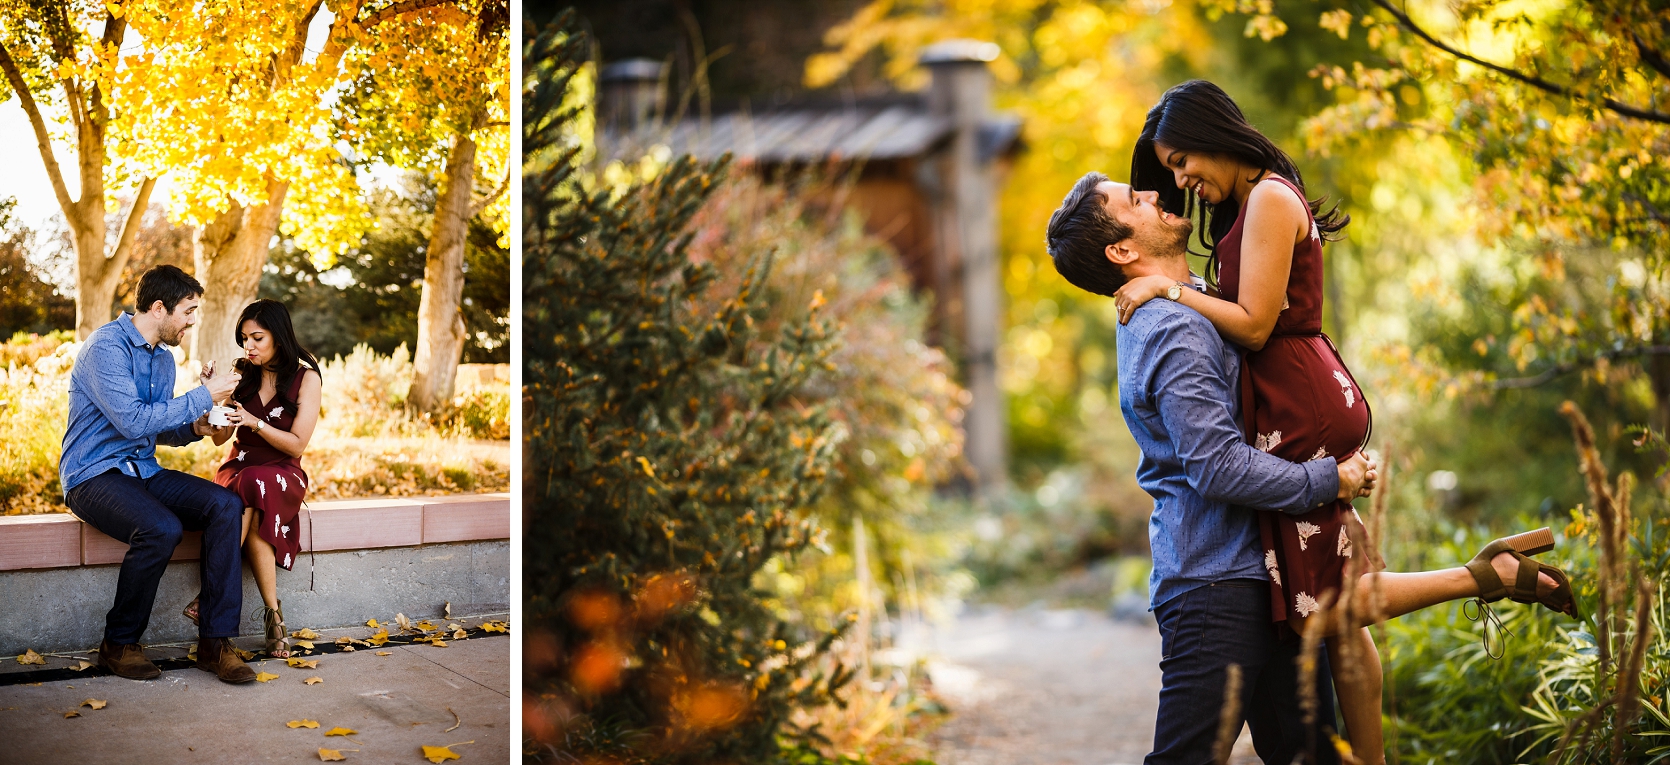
[(494, 197), (1649, 56), (14, 76), (1513, 74), (1558, 370), (130, 227)]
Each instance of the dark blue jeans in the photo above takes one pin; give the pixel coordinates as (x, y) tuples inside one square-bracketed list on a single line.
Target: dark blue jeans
[(1202, 632), (152, 515)]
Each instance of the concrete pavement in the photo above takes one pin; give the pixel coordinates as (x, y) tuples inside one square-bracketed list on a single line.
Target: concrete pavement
[(396, 703)]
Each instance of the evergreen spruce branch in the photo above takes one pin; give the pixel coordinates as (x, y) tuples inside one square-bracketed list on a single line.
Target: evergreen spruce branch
[(1539, 83)]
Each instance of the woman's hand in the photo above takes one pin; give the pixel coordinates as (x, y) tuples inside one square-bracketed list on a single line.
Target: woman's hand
[(240, 416), (1138, 291)]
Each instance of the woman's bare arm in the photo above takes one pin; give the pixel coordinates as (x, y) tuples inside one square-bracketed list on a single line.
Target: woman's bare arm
[(294, 441), (1276, 221)]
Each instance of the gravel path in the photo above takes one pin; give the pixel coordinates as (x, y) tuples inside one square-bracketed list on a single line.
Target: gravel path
[(1048, 687)]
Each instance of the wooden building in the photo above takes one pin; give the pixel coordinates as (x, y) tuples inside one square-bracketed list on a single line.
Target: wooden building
[(927, 171)]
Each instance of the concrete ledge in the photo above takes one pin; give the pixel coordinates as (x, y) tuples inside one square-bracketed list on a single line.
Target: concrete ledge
[(63, 608), (62, 540)]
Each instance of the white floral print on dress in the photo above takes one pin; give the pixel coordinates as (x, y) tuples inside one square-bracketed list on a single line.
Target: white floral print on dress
[(1270, 563), (1305, 604), (241, 455), (1315, 231), (276, 528), (1306, 531), (1321, 451), (1267, 441), (277, 412), (287, 560), (282, 484), (1345, 387), (284, 531), (263, 486), (1343, 546)]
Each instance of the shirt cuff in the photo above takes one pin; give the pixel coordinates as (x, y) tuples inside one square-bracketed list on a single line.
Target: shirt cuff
[(1324, 482)]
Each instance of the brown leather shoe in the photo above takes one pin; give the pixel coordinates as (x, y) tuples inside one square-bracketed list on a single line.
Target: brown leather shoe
[(217, 655), (127, 661)]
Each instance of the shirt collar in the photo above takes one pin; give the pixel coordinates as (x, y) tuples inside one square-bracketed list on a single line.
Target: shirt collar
[(132, 332)]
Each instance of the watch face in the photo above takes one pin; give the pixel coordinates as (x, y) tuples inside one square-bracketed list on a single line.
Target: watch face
[(1174, 292)]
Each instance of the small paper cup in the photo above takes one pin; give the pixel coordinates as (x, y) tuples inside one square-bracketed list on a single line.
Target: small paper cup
[(217, 416)]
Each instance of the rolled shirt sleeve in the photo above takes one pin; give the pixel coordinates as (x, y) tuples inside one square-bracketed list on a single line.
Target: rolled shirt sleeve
[(112, 389)]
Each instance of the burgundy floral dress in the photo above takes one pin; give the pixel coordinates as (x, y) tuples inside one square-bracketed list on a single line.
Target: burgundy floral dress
[(1300, 403), (268, 480)]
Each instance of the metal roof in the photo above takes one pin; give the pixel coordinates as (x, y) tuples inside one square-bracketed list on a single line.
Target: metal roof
[(790, 136)]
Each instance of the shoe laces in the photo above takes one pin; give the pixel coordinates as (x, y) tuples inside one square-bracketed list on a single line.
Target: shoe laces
[(260, 614), (1482, 611)]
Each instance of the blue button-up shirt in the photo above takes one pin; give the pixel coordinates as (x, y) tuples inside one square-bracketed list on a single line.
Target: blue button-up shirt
[(121, 404), (1178, 394)]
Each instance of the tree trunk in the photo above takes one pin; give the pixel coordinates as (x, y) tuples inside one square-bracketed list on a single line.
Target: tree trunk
[(229, 255), (440, 341)]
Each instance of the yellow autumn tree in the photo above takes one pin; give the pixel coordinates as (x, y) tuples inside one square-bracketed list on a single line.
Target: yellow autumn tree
[(227, 99), (432, 94), (53, 65)]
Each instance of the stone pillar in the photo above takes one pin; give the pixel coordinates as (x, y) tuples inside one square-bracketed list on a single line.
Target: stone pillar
[(961, 92)]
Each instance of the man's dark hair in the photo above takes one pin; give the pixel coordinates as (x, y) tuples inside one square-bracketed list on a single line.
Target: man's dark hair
[(168, 284), (1079, 233)]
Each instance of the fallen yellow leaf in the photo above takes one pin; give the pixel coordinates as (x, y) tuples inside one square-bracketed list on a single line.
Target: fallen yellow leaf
[(405, 624), (303, 723), (265, 676), (314, 680), (341, 732), (495, 626), (304, 663), (347, 648), (242, 654), (460, 634), (81, 665), (331, 755), (30, 657), (385, 653), (439, 753), (345, 640), (305, 644), (68, 715), (378, 639), (94, 703), (305, 634), (447, 614), (438, 643), (371, 623)]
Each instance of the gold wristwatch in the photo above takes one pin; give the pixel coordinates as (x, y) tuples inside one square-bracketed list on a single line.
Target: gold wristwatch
[(1175, 291)]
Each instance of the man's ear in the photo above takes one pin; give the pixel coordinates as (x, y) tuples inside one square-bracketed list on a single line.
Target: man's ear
[(1120, 253)]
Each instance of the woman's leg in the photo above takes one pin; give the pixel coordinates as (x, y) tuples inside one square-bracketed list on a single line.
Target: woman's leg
[(1358, 684), (249, 512), (260, 557), (1402, 593)]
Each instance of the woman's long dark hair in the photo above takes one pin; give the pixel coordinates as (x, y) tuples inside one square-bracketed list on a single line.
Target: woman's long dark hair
[(1198, 116), (288, 353)]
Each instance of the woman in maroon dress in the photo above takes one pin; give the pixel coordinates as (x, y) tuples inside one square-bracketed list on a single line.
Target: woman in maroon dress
[(1298, 400), (276, 406)]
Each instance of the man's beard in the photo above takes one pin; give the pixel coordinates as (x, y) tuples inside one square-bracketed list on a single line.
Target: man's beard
[(175, 338), (1172, 241)]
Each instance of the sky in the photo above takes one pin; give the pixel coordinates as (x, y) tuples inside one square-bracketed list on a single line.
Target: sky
[(23, 175)]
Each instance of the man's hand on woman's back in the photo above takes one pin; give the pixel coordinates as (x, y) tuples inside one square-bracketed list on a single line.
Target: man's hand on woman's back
[(1356, 477)]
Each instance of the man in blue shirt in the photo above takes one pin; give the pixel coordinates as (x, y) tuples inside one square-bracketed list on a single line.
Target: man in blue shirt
[(1209, 588), (122, 404)]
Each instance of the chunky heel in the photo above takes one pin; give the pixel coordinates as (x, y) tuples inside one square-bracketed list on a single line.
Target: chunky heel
[(1532, 542)]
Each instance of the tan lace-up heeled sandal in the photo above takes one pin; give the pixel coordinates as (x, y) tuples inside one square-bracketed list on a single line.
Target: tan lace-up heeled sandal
[(278, 638), (1524, 587)]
